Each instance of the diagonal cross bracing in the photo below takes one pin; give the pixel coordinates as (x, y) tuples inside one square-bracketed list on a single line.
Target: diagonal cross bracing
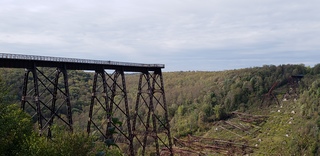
[(141, 127)]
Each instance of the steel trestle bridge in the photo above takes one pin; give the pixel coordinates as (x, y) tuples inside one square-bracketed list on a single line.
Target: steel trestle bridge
[(145, 123)]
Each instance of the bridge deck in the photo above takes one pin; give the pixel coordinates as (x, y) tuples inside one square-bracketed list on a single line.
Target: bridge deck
[(29, 61)]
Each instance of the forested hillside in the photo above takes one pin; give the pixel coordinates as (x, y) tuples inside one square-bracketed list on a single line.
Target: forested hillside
[(224, 110)]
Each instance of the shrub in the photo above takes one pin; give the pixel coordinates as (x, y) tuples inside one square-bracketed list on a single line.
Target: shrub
[(15, 127)]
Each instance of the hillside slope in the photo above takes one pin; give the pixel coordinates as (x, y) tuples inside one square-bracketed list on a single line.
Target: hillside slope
[(224, 109)]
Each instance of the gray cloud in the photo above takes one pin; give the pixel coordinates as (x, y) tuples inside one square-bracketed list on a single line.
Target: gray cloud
[(214, 34)]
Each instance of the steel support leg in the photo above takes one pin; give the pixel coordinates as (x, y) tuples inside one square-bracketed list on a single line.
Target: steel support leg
[(35, 97), (159, 77), (152, 109), (25, 89), (102, 99), (67, 98), (93, 96), (128, 117), (54, 99), (147, 130)]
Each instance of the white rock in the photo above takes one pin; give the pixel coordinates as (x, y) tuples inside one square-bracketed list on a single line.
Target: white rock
[(279, 110)]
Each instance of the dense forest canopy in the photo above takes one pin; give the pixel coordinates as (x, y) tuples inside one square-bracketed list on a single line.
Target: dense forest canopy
[(198, 102)]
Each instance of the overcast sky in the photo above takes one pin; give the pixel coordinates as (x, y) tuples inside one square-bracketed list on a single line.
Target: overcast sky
[(182, 34)]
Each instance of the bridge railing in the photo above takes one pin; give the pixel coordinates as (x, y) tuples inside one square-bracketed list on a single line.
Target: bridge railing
[(74, 60)]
